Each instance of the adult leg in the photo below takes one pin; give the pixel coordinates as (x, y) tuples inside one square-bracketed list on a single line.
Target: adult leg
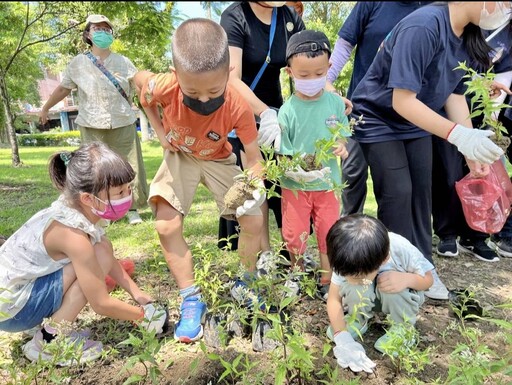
[(419, 155), (392, 186), (447, 168), (354, 173)]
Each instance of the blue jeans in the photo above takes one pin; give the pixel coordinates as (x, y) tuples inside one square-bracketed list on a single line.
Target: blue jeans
[(45, 299)]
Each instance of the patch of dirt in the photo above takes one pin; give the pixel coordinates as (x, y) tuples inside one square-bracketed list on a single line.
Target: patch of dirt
[(503, 142), (187, 364), (238, 193), (310, 163)]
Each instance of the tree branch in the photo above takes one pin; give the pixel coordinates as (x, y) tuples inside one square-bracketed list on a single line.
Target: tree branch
[(28, 24)]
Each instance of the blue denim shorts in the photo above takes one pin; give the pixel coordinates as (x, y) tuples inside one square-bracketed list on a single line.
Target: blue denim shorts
[(45, 299)]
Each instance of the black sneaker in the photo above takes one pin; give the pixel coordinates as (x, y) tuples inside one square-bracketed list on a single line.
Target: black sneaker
[(478, 249), (447, 247), (502, 246)]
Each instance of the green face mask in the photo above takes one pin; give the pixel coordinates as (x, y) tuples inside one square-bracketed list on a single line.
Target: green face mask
[(102, 39)]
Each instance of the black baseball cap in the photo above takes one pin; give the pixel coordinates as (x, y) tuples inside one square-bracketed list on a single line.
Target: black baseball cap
[(307, 41)]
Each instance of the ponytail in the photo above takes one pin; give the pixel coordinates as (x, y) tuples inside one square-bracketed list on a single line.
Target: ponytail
[(476, 46), (57, 168)]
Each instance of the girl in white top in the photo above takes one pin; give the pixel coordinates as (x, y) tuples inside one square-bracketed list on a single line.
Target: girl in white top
[(57, 261)]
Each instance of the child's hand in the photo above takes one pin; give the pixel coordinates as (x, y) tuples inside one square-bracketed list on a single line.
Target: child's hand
[(341, 150), (392, 282), (351, 354), (143, 298)]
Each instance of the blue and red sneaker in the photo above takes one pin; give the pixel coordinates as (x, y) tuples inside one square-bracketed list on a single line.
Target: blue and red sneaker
[(189, 328)]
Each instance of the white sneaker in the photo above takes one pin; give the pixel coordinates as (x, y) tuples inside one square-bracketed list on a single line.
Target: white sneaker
[(74, 349), (133, 217), (438, 290), (267, 263)]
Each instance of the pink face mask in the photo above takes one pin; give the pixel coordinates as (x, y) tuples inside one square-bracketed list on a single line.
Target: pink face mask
[(116, 209)]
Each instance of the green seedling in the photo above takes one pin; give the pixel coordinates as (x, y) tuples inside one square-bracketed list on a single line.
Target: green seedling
[(402, 348), (479, 85)]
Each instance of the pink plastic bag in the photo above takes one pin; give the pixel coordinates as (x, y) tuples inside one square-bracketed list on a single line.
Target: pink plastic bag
[(486, 201)]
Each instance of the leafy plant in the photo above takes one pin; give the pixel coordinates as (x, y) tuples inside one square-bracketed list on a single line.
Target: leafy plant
[(295, 362), (212, 281), (473, 362), (401, 346), (146, 349), (339, 134), (479, 85), (238, 371)]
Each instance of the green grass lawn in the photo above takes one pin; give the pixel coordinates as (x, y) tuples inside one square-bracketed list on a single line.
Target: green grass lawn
[(26, 190)]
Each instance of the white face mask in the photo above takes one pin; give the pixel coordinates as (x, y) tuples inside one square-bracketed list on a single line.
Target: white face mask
[(310, 87), (491, 21), (275, 3)]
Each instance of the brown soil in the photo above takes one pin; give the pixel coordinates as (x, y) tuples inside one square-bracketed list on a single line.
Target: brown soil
[(310, 163), (187, 364), (503, 143), (238, 194)]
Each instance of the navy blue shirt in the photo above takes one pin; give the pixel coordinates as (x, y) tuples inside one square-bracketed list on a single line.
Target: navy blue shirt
[(418, 55), (366, 27)]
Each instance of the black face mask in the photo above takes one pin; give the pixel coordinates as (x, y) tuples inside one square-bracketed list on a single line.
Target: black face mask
[(203, 108)]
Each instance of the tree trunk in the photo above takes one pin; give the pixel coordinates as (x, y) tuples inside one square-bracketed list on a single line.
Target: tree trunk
[(11, 132)]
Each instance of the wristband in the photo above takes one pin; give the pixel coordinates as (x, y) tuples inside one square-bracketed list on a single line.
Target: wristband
[(451, 129)]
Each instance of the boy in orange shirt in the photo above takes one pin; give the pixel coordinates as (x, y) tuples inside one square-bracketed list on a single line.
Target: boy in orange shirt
[(199, 110)]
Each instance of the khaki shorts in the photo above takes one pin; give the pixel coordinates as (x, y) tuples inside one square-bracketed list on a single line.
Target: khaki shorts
[(179, 175)]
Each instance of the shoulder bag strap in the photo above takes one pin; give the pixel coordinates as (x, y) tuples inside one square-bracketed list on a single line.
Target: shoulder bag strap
[(267, 59), (109, 76)]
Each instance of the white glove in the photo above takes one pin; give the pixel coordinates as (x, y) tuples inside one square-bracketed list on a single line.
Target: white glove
[(155, 318), (269, 130), (351, 354), (475, 144), (259, 195), (303, 176)]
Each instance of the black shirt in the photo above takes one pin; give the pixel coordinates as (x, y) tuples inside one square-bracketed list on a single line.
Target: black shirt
[(247, 32)]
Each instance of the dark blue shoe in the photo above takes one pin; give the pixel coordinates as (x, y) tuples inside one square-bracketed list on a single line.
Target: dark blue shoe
[(190, 328)]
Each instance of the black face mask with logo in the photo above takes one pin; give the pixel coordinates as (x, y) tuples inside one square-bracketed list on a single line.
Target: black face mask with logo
[(204, 108)]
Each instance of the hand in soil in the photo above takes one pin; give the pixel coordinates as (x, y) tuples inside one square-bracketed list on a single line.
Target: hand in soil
[(245, 195)]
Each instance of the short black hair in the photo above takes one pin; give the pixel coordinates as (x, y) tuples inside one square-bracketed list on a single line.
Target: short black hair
[(200, 45), (357, 244)]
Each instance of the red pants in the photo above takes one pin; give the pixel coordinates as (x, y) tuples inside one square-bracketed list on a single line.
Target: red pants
[(298, 207)]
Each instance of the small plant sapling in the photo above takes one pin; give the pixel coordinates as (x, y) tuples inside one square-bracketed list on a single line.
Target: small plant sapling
[(401, 346), (220, 321), (324, 147), (482, 104)]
